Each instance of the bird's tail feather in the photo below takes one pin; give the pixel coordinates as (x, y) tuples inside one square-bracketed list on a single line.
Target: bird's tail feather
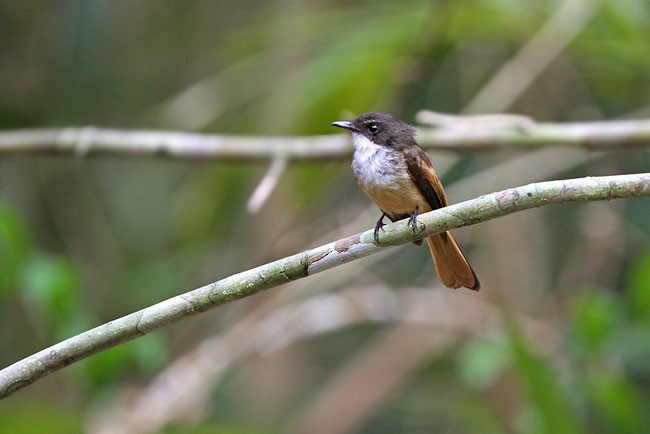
[(453, 269)]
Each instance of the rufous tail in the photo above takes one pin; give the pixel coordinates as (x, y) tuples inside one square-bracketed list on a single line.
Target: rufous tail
[(453, 269)]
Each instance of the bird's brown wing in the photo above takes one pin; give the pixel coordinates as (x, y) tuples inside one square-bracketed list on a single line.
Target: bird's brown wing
[(452, 266), (421, 170)]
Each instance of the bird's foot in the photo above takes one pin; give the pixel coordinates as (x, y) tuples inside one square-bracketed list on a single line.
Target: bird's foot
[(379, 226), (414, 223)]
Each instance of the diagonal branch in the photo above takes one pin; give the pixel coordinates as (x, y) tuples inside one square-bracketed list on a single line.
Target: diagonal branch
[(84, 141), (534, 57), (244, 284)]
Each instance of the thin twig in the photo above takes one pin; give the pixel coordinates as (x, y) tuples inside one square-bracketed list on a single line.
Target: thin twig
[(499, 120), (87, 141), (244, 284), (590, 135), (267, 185)]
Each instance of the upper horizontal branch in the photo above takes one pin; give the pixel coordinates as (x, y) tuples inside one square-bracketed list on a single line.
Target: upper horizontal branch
[(300, 265), (82, 141)]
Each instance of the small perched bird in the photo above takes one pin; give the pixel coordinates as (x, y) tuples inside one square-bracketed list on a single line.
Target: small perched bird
[(395, 172)]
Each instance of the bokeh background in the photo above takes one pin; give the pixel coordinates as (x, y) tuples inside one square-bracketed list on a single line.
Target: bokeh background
[(557, 341)]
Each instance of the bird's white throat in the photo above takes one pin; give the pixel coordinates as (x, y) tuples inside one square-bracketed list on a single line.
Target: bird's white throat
[(376, 166)]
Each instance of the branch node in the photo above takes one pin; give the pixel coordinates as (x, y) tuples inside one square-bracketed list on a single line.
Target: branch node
[(84, 142)]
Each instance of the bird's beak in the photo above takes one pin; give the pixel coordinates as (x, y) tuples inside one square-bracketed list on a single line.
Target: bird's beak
[(347, 125)]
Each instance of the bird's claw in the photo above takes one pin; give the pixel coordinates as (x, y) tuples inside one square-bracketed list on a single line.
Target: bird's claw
[(413, 222), (379, 226)]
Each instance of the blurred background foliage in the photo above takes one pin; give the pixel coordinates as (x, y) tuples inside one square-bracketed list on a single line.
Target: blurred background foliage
[(83, 241)]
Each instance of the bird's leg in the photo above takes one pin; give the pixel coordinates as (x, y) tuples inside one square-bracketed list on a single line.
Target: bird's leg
[(380, 225), (413, 220)]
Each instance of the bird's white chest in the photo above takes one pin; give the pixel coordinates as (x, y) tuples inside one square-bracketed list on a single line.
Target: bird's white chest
[(376, 167), (382, 174)]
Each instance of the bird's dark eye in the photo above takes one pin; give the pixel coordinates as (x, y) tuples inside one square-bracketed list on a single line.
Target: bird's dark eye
[(373, 128)]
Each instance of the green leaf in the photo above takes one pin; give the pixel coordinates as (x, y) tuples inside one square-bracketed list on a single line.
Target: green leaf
[(14, 245), (551, 410), (482, 362), (150, 352), (639, 287), (620, 405), (105, 367), (595, 318), (52, 283), (27, 416)]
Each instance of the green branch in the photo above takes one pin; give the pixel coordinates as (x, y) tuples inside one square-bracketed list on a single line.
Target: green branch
[(244, 284)]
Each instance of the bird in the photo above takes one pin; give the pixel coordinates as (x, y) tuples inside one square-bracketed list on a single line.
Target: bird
[(397, 175)]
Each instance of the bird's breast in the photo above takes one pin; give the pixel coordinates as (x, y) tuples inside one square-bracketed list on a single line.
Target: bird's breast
[(377, 166), (382, 175)]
